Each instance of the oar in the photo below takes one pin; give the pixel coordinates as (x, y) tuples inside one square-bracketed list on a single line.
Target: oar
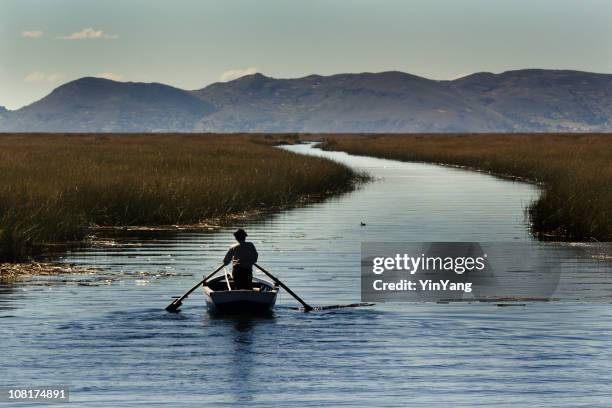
[(307, 307), (176, 303)]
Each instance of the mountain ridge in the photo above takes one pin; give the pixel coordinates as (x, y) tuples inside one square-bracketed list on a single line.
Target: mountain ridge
[(391, 101)]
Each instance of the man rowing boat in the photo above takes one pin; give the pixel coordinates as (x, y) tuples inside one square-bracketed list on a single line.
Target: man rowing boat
[(242, 256)]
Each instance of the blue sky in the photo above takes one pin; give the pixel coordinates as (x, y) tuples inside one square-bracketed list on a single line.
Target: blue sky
[(190, 43)]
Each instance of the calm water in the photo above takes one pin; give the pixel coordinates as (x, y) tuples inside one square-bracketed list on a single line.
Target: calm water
[(107, 337)]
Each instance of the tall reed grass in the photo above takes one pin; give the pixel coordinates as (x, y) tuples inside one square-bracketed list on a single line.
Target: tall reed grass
[(53, 188), (576, 171)]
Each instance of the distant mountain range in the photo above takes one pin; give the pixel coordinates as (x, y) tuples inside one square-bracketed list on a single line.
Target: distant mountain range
[(514, 101)]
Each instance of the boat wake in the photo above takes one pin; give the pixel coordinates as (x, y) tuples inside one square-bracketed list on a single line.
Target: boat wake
[(331, 307)]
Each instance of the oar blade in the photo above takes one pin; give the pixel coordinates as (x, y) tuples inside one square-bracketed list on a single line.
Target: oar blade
[(174, 306)]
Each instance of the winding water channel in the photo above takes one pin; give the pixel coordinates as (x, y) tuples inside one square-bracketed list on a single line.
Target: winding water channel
[(107, 337)]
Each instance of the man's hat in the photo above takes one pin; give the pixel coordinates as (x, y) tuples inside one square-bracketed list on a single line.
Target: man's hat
[(240, 233)]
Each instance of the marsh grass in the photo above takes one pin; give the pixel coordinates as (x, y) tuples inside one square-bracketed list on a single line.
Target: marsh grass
[(53, 188), (576, 171)]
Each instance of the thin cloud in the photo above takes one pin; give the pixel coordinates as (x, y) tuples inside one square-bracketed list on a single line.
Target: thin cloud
[(237, 73), (32, 34), (88, 34), (43, 77), (109, 75)]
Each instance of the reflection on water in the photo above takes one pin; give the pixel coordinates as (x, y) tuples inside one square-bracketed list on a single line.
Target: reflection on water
[(113, 344), (241, 348)]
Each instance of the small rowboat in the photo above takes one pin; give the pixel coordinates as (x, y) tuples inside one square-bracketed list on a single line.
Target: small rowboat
[(221, 298)]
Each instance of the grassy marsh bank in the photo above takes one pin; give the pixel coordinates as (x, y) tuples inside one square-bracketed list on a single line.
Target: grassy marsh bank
[(54, 187), (575, 169)]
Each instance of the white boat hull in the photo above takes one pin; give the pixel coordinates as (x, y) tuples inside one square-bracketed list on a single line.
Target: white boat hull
[(262, 299)]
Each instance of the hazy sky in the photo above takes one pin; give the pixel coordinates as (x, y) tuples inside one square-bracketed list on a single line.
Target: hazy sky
[(192, 43)]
